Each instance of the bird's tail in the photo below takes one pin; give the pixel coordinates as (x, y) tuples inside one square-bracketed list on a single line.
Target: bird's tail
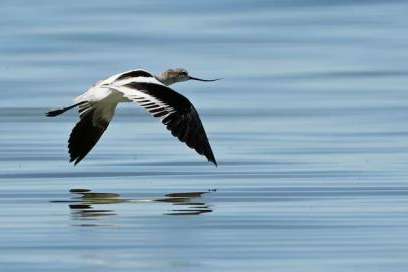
[(54, 113)]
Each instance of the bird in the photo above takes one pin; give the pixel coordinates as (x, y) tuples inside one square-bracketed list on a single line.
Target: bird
[(97, 107)]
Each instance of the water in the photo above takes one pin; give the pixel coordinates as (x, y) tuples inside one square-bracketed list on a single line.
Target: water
[(308, 126)]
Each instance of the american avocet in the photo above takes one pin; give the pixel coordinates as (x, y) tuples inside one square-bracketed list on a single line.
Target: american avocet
[(97, 107)]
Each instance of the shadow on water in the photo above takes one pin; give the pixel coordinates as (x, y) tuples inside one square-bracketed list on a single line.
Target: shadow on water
[(84, 203)]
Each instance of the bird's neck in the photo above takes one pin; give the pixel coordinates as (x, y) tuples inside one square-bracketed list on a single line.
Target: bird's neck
[(166, 81)]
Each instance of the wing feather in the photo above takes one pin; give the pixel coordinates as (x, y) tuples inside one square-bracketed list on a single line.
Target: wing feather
[(95, 117), (175, 111), (84, 136)]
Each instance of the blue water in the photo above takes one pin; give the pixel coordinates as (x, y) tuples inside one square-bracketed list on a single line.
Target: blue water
[(309, 126)]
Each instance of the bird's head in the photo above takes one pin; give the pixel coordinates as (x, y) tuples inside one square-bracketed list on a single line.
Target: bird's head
[(178, 75)]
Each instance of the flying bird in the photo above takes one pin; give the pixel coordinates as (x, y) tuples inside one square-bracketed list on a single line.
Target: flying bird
[(97, 106)]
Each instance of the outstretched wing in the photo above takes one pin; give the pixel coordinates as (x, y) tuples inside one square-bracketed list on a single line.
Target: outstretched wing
[(84, 136), (95, 118), (175, 111)]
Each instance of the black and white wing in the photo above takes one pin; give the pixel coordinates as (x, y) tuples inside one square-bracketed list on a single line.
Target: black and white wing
[(84, 136), (96, 108), (95, 117), (175, 111)]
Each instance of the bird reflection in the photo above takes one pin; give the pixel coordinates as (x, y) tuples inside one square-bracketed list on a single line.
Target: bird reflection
[(86, 198), (187, 206), (84, 203)]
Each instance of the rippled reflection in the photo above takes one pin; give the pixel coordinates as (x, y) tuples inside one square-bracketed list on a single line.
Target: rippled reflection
[(188, 203), (85, 203)]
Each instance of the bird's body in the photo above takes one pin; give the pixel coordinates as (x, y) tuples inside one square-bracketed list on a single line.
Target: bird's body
[(98, 104)]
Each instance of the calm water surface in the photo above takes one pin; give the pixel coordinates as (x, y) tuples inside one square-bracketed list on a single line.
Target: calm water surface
[(309, 127)]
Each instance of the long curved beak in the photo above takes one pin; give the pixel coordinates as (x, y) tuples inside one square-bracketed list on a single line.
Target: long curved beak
[(199, 79)]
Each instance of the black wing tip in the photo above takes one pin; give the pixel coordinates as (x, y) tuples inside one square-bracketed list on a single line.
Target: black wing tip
[(75, 161), (214, 162), (84, 137), (211, 159), (73, 157)]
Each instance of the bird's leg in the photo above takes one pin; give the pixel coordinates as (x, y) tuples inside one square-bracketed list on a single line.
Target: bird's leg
[(62, 110)]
